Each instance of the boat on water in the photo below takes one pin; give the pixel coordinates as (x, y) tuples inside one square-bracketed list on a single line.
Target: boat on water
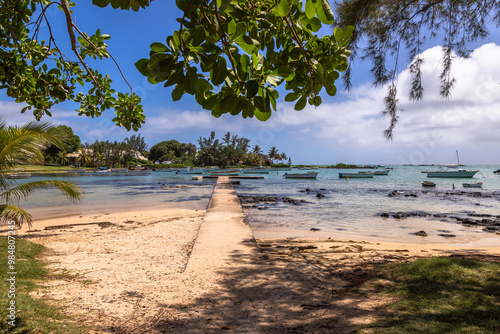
[(428, 184), (194, 171), (452, 171), (119, 170), (307, 175), (256, 171), (358, 175), (18, 176), (382, 172), (102, 171), (472, 185), (226, 172)]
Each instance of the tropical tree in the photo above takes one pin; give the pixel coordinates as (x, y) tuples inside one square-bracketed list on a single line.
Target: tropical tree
[(230, 54), (385, 27), (273, 153), (24, 145), (84, 159), (61, 158), (257, 150)]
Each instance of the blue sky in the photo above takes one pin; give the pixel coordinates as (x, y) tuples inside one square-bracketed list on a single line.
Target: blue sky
[(346, 128)]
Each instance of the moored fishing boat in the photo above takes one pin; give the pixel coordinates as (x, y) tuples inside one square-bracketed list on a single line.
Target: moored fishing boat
[(428, 184), (358, 175), (137, 172), (448, 172), (226, 172), (308, 175), (472, 185), (382, 172)]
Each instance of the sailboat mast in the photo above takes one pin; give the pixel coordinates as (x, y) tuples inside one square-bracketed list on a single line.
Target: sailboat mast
[(458, 159)]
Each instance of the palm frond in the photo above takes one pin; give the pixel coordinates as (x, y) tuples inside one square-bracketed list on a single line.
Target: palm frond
[(13, 213), (26, 143), (22, 191)]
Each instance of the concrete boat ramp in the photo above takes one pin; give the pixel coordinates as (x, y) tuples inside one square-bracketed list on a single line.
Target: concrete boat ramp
[(223, 235)]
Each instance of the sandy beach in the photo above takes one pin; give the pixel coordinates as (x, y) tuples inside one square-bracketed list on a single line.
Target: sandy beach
[(194, 271)]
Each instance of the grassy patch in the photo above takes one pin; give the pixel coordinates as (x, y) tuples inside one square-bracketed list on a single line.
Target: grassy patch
[(439, 295), (33, 315)]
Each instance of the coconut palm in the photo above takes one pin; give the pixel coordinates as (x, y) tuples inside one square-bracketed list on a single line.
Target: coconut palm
[(84, 159), (62, 158), (21, 146)]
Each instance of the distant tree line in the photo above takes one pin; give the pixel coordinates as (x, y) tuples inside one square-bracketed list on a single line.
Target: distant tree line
[(230, 150)]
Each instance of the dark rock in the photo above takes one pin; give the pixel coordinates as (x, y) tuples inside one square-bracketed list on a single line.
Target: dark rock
[(421, 233), (314, 229), (440, 215), (491, 229), (411, 195), (447, 235), (384, 214), (400, 215), (418, 214), (479, 215), (319, 195)]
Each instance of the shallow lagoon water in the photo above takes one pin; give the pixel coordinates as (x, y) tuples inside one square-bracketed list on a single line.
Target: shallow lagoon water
[(353, 206), (350, 207)]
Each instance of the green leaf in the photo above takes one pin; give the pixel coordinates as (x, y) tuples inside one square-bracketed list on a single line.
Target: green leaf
[(249, 45), (191, 81), (311, 8), (290, 97), (240, 30), (177, 92), (324, 11), (252, 88), (219, 71), (301, 103), (284, 7), (159, 47)]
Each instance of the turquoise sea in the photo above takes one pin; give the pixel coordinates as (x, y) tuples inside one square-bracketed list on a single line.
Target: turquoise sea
[(344, 207)]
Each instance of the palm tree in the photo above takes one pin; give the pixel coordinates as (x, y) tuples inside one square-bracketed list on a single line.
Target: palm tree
[(84, 159), (21, 146), (257, 150), (273, 153), (61, 158)]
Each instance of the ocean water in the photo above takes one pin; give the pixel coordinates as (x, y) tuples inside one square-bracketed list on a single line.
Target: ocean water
[(353, 206), (115, 193), (350, 207)]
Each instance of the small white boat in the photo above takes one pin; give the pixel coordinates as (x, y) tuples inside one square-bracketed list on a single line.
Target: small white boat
[(472, 185), (308, 175), (428, 184), (194, 171), (103, 171), (358, 175)]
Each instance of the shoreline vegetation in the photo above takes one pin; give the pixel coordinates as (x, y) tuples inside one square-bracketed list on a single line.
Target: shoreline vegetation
[(91, 275)]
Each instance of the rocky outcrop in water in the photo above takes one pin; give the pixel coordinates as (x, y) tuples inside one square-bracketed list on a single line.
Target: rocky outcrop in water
[(269, 200)]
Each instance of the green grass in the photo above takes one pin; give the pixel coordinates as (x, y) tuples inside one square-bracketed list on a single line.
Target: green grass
[(32, 314), (439, 295)]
